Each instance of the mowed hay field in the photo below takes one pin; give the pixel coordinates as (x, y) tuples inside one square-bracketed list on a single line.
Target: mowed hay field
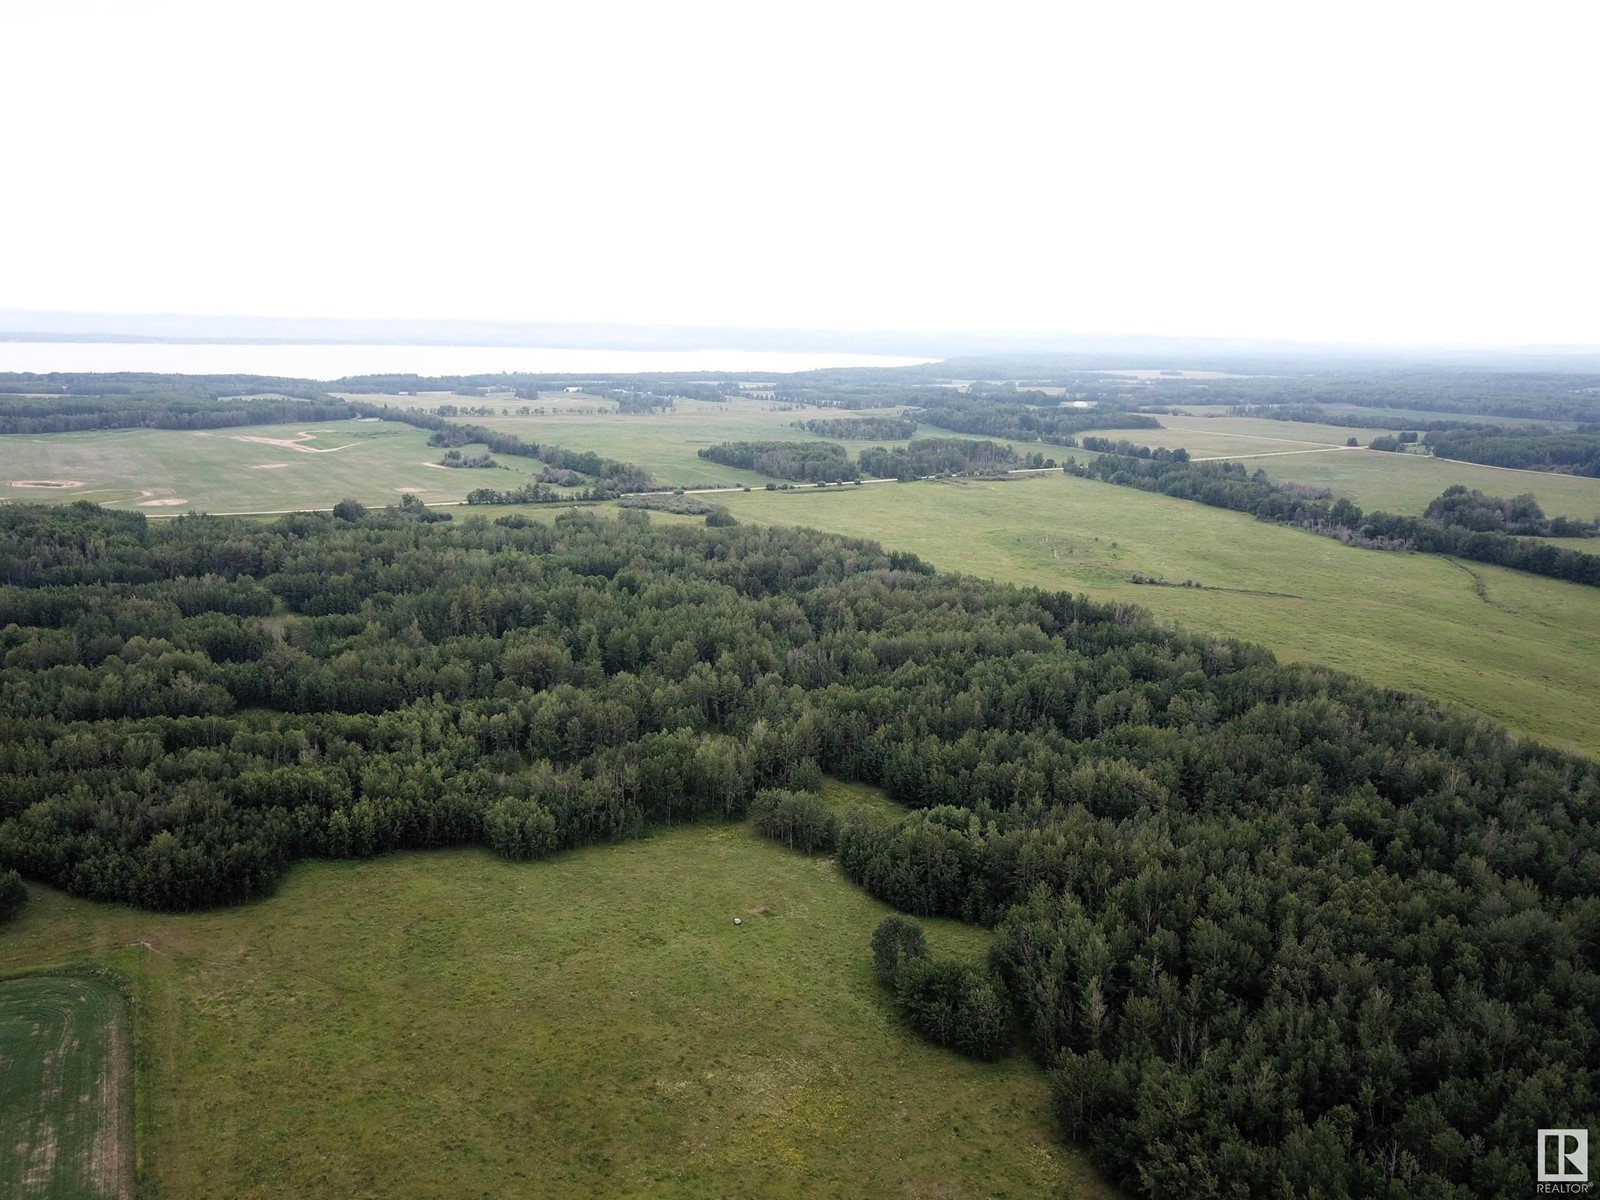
[(449, 1024), (1526, 653), (66, 1089), (251, 469)]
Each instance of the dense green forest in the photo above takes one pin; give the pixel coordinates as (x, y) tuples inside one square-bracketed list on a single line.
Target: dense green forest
[(1576, 453), (1469, 524), (938, 456), (1470, 509), (829, 462), (881, 429), (13, 895), (178, 409), (1468, 390), (802, 462), (1272, 931), (1025, 422), (106, 386)]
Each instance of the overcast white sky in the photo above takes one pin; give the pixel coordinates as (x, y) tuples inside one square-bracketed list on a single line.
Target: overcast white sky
[(1331, 171)]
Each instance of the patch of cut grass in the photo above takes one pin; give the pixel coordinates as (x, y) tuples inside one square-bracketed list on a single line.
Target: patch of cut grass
[(66, 1098)]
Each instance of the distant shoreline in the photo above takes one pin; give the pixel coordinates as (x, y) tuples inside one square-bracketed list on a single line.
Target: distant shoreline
[(330, 360)]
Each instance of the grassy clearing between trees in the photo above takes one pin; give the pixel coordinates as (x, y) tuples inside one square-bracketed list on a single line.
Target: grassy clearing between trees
[(450, 1024), (1526, 652), (66, 1090)]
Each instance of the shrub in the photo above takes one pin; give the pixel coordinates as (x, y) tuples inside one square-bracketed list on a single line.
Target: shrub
[(799, 820), (956, 1004), (897, 941), (13, 895), (520, 828)]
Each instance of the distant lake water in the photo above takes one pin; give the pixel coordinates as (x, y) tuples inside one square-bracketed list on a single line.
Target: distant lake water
[(301, 361)]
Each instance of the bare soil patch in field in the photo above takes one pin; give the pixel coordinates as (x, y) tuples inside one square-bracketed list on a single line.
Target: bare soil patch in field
[(46, 483), (294, 443)]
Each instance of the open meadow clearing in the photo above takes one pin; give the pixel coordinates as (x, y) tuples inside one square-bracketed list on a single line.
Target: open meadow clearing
[(1405, 483), (66, 1089), (451, 1024), (1526, 653), (262, 468)]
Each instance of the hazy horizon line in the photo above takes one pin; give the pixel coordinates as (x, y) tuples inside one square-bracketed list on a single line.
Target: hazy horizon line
[(62, 325)]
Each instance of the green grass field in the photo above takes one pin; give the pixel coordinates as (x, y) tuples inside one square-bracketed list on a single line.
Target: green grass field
[(667, 443), (449, 1024), (66, 1088), (1291, 451), (1237, 437), (1405, 483), (261, 468), (1526, 653)]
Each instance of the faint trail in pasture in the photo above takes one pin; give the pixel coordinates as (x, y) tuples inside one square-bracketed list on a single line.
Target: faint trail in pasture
[(1462, 462), (1275, 453), (1256, 437), (1480, 588)]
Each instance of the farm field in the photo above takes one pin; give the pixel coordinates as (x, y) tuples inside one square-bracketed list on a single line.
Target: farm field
[(261, 468), (1402, 483), (1235, 437), (1356, 411), (666, 444), (451, 1024), (1405, 483), (1527, 653), (66, 1103)]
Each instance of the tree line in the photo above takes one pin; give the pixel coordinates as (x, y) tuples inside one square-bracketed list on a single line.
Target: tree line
[(938, 456), (76, 414), (877, 428), (1024, 422), (1576, 453), (829, 462), (802, 462), (1470, 509), (1451, 526), (612, 474)]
